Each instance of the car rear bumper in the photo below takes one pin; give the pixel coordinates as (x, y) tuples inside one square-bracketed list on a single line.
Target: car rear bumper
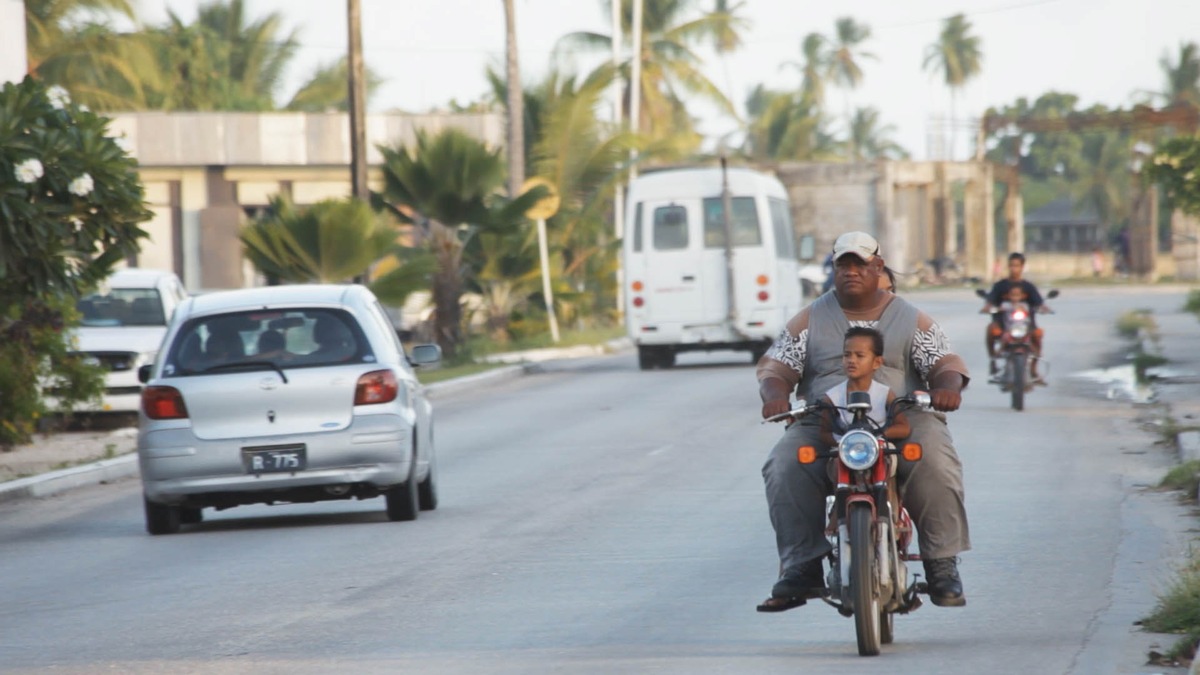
[(375, 451)]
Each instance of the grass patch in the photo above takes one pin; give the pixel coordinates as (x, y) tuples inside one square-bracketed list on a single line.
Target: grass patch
[(1184, 477), (470, 359), (1178, 611), (450, 372), (1131, 324), (1192, 304)]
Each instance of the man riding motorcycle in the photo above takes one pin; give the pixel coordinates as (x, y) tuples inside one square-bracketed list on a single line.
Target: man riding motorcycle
[(807, 358), (997, 296)]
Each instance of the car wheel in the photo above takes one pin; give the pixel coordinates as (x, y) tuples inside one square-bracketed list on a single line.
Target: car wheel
[(160, 518), (190, 516), (427, 490), (402, 500)]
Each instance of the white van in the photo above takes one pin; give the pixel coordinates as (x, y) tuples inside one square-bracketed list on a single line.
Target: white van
[(686, 289)]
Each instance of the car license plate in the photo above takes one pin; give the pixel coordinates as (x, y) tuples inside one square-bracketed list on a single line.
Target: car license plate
[(274, 458)]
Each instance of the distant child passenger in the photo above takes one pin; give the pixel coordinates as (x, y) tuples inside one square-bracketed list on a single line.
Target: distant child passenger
[(862, 355)]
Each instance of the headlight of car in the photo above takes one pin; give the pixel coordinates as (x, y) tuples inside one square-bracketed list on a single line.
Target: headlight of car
[(858, 449)]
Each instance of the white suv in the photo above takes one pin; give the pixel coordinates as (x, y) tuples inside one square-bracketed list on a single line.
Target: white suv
[(123, 325)]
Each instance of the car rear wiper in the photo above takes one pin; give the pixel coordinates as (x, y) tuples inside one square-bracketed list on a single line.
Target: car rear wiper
[(240, 364)]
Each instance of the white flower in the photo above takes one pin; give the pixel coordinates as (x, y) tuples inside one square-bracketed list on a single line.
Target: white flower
[(77, 223), (29, 171), (58, 96), (81, 186)]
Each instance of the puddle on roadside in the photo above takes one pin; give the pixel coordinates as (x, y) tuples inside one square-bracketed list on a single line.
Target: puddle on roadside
[(1118, 383)]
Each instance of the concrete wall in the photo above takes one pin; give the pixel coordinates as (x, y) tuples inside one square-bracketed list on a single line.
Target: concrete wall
[(203, 171)]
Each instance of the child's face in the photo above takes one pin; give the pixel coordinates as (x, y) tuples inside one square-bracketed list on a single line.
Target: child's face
[(1016, 294), (859, 357)]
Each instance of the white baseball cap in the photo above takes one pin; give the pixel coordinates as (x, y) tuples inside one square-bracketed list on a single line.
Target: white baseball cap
[(860, 244)]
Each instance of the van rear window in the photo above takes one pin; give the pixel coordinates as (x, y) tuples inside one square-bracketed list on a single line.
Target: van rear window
[(746, 230), (670, 228)]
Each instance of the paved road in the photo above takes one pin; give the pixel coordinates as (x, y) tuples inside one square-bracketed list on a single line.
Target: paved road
[(598, 519)]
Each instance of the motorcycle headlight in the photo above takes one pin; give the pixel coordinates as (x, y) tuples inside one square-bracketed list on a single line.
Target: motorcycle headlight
[(858, 450), (1019, 330)]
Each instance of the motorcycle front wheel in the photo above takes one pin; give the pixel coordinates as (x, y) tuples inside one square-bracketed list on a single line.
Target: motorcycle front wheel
[(863, 580), (1020, 371)]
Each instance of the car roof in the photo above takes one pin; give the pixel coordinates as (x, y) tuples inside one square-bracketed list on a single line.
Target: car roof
[(137, 277), (291, 294)]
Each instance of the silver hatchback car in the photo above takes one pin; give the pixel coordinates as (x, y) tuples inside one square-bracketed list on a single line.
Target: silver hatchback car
[(283, 394)]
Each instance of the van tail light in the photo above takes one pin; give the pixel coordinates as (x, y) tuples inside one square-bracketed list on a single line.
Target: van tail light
[(638, 301), (763, 296), (377, 386), (763, 280), (163, 403), (637, 286)]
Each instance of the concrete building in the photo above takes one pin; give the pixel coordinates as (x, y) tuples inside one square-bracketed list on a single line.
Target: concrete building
[(206, 174)]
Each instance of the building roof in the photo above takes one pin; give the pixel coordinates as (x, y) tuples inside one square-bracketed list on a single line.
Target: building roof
[(1062, 211)]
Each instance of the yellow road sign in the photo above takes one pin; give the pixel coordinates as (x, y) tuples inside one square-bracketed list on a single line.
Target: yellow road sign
[(545, 207)]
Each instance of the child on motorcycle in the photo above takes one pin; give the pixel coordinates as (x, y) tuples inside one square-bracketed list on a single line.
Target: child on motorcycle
[(862, 355), (1017, 298)]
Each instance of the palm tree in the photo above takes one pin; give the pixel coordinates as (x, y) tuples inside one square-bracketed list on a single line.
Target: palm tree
[(870, 139), (957, 56), (815, 68), (326, 88), (845, 56), (1105, 180), (670, 66), (48, 25), (333, 241), (1182, 76), (786, 125), (448, 186)]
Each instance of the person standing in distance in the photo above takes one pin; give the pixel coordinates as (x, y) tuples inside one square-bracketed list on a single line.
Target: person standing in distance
[(807, 358)]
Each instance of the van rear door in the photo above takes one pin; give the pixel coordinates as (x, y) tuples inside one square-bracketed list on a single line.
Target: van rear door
[(673, 272)]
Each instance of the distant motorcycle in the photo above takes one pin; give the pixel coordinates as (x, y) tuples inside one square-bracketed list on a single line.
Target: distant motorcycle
[(1014, 357), (869, 528)]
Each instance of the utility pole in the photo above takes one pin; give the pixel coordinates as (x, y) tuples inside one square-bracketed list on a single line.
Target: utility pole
[(358, 104), (516, 108), (635, 81), (619, 188)]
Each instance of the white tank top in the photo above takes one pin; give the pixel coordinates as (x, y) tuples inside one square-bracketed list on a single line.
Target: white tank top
[(879, 395)]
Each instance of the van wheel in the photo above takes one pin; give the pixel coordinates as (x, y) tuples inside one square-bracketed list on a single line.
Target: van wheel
[(666, 358), (757, 353), (646, 359)]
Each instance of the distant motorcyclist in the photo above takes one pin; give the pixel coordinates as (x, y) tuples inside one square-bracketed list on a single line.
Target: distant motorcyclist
[(997, 296)]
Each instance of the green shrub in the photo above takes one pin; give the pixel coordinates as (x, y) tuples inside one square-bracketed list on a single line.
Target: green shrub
[(70, 204), (1192, 304), (1132, 323)]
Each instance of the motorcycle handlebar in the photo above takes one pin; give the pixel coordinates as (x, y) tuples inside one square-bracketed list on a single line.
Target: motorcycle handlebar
[(917, 399)]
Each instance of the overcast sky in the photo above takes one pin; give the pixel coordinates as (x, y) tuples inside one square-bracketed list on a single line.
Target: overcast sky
[(432, 51)]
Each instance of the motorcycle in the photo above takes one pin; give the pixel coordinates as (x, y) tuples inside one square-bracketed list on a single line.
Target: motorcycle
[(866, 524), (1015, 355)]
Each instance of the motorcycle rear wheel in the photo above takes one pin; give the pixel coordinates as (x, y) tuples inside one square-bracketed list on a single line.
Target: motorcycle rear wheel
[(1020, 372), (864, 587)]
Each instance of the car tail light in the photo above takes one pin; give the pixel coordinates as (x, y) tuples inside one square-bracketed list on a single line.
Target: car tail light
[(163, 403), (377, 386)]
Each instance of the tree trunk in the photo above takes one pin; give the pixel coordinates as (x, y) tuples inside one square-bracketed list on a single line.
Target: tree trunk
[(447, 288)]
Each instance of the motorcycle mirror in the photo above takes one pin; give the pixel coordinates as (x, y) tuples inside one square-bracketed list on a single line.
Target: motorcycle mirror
[(981, 293), (1053, 293)]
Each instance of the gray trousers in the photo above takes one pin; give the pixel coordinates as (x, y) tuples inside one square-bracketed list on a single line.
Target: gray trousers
[(930, 488)]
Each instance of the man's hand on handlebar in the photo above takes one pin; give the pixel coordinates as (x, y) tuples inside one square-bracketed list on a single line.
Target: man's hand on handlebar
[(776, 407), (945, 400)]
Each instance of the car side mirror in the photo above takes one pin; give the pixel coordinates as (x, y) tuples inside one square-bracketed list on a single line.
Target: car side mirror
[(144, 373), (424, 355)]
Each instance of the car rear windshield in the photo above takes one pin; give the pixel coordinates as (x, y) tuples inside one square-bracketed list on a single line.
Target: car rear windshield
[(293, 338), (122, 307)]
